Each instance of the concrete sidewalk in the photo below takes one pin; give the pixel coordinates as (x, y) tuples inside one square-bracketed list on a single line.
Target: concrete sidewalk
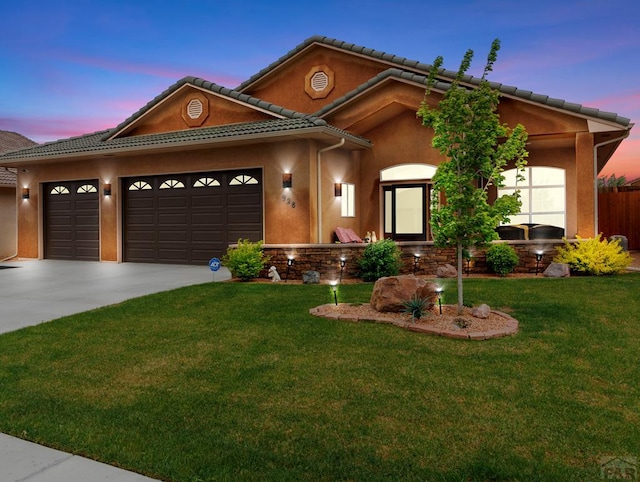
[(33, 292)]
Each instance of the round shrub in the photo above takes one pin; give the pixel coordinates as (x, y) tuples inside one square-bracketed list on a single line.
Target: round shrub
[(379, 259), (502, 259), (245, 260)]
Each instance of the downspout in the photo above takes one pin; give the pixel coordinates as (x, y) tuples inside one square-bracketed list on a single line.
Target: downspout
[(595, 179), (319, 183)]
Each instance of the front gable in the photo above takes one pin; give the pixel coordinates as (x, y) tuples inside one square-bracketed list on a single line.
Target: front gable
[(313, 78), (190, 106)]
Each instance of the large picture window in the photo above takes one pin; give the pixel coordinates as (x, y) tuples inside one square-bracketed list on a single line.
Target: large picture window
[(543, 195)]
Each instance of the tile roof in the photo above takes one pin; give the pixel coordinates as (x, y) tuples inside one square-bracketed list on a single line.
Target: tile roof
[(216, 89), (405, 64), (11, 141), (8, 177), (95, 143)]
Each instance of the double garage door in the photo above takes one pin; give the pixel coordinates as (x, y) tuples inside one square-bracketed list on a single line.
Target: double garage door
[(182, 219)]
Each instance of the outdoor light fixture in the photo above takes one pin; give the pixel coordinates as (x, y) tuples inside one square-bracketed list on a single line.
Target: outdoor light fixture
[(439, 291), (335, 292), (106, 189), (416, 262), (539, 254), (337, 189), (286, 180), (343, 263), (25, 193), (290, 262)]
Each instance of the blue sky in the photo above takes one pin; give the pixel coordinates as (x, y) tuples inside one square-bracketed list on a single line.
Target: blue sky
[(78, 66)]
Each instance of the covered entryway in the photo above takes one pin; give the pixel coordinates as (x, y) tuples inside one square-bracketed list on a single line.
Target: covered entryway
[(190, 218), (72, 220)]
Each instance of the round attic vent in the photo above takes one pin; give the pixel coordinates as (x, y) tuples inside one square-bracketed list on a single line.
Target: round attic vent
[(194, 108)]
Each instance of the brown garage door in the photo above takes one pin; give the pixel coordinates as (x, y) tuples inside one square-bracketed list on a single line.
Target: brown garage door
[(71, 220), (190, 218)]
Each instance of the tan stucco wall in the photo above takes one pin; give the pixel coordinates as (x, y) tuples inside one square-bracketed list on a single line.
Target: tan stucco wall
[(283, 222), (7, 222)]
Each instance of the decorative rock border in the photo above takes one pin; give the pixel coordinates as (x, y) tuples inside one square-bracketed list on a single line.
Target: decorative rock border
[(511, 328)]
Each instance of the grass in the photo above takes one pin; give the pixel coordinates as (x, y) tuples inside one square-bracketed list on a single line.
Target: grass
[(233, 381)]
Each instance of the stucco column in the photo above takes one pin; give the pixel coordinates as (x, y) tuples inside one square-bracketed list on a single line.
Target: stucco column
[(584, 184)]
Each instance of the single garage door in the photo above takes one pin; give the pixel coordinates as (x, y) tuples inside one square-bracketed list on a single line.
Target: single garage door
[(72, 220), (190, 218)]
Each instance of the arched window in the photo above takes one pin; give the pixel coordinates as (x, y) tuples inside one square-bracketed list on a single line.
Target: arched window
[(407, 172), (243, 179), (206, 182), (172, 184), (86, 189), (140, 186), (59, 190), (543, 195)]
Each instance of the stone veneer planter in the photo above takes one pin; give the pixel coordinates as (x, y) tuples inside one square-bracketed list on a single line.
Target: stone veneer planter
[(325, 258)]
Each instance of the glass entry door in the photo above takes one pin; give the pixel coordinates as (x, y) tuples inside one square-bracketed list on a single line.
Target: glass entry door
[(405, 212)]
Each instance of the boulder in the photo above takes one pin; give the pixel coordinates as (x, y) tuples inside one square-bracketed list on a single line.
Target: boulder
[(557, 270), (389, 293), (311, 277), (481, 311), (446, 271)]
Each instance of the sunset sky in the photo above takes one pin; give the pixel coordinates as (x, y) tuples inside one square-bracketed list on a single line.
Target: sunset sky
[(78, 66)]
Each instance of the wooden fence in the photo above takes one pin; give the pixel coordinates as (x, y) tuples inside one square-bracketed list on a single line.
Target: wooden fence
[(619, 213)]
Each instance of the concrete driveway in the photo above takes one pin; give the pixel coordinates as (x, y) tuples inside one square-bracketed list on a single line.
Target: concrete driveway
[(34, 291)]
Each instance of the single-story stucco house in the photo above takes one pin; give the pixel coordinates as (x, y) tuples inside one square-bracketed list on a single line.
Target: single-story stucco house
[(324, 137), (9, 141)]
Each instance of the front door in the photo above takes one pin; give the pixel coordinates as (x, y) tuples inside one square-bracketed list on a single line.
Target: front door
[(405, 212)]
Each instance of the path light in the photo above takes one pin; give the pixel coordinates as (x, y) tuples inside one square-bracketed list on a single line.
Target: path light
[(290, 262), (343, 263), (439, 291), (539, 254), (334, 287), (416, 262)]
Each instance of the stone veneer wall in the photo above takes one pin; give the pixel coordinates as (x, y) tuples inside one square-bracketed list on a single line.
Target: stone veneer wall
[(325, 258)]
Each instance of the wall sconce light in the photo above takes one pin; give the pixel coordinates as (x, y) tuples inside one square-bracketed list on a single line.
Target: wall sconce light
[(416, 262), (25, 193), (106, 189), (439, 291), (539, 254), (337, 189), (286, 180), (335, 292)]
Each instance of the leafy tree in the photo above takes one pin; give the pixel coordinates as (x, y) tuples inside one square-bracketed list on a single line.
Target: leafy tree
[(477, 147), (607, 183)]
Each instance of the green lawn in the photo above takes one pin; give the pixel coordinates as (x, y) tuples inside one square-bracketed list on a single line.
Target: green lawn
[(232, 381)]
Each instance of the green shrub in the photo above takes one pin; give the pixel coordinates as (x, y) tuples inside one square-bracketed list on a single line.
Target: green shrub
[(593, 256), (417, 307), (379, 259), (246, 260), (501, 259)]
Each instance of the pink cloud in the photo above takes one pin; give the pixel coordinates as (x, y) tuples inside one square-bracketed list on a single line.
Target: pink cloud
[(626, 159)]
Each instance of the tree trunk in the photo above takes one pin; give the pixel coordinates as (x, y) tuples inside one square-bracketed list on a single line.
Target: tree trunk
[(460, 294)]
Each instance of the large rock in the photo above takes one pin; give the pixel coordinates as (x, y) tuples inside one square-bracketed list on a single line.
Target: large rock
[(311, 277), (446, 271), (557, 270), (391, 292), (481, 311)]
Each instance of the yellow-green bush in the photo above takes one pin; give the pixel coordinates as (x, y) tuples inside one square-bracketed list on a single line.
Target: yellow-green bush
[(593, 256)]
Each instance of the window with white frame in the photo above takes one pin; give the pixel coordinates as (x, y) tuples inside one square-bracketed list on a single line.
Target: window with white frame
[(348, 201), (543, 195)]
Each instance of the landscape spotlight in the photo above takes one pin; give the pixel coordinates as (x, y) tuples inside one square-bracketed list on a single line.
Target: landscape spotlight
[(416, 262), (343, 263), (439, 291), (335, 292), (539, 254), (290, 262)]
